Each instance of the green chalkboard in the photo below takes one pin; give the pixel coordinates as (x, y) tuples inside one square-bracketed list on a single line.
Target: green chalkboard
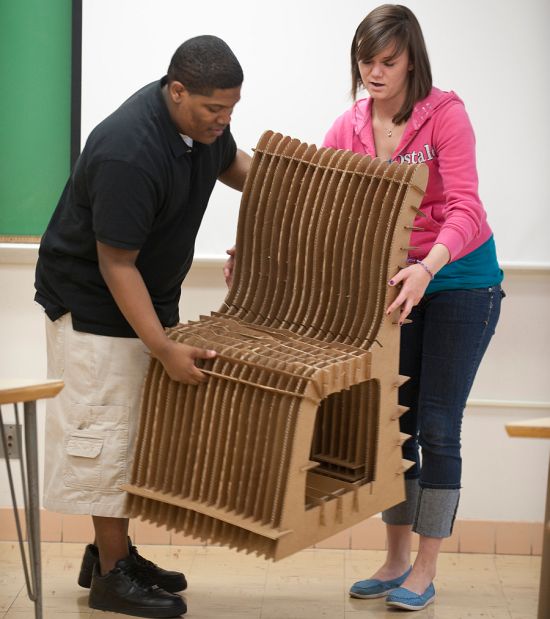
[(35, 119)]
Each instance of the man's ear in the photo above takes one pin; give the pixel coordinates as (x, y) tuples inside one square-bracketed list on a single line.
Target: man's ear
[(177, 91)]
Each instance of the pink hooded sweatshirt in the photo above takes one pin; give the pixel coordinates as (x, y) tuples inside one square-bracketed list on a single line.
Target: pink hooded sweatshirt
[(439, 134)]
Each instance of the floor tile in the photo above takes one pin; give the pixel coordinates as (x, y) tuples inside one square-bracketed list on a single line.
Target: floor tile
[(309, 585)]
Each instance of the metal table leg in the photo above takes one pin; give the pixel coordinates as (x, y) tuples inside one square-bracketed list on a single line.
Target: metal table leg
[(31, 501), (33, 508), (28, 391), (544, 590)]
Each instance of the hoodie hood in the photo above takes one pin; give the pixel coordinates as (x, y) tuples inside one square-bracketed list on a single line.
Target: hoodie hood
[(422, 112)]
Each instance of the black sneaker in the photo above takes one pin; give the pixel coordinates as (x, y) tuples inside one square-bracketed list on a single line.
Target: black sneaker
[(169, 581), (124, 590)]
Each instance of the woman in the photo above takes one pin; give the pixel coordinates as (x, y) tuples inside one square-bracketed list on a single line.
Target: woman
[(450, 290)]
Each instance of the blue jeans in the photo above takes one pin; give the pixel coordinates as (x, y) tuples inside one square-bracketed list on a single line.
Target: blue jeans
[(441, 351)]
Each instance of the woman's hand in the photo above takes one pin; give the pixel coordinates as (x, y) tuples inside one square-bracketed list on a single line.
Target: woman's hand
[(413, 281)]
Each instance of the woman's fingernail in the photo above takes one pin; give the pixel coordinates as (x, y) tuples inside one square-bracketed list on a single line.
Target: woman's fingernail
[(391, 282)]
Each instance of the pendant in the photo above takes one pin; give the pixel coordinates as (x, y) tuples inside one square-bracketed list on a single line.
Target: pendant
[(389, 133)]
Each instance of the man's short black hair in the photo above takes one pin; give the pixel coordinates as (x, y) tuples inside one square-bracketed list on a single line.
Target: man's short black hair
[(205, 63)]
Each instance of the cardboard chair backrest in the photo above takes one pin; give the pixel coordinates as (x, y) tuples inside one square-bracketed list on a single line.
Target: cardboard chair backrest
[(314, 237)]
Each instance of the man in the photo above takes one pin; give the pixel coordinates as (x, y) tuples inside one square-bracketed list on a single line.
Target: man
[(110, 268)]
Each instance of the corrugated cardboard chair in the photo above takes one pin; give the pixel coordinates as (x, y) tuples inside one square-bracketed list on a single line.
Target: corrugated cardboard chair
[(295, 436)]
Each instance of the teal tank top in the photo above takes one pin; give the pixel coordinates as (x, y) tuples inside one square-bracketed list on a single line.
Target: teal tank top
[(478, 269)]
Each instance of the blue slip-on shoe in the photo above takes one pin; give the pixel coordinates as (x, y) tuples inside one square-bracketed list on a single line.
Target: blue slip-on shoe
[(409, 600), (375, 588)]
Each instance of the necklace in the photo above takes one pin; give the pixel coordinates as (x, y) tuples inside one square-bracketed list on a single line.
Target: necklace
[(380, 121)]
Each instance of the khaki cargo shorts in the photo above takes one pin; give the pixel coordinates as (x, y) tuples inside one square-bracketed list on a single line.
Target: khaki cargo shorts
[(91, 425)]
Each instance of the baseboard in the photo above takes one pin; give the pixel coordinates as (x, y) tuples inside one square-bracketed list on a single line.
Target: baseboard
[(471, 536)]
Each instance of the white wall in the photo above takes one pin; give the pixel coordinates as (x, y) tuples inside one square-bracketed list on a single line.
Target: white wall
[(504, 478)]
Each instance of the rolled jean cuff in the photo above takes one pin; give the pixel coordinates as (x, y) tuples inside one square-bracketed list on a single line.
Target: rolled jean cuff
[(436, 512), (403, 513)]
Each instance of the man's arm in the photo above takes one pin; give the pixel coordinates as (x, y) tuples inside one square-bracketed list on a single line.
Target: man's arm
[(235, 175), (118, 268)]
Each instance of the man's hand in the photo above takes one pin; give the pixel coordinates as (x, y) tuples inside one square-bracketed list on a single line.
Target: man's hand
[(119, 271), (179, 362), (229, 266)]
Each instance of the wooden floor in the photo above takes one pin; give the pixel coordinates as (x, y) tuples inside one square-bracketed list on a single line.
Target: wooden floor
[(311, 584)]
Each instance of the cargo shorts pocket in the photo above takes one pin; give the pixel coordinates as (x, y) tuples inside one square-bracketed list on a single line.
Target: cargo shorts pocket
[(96, 448)]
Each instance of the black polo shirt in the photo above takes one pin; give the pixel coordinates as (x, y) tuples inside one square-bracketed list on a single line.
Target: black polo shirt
[(136, 185)]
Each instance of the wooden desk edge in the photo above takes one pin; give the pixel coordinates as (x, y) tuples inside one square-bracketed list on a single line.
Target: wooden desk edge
[(531, 428), (27, 391)]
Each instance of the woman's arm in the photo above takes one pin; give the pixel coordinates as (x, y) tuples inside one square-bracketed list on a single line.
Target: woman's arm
[(463, 212)]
